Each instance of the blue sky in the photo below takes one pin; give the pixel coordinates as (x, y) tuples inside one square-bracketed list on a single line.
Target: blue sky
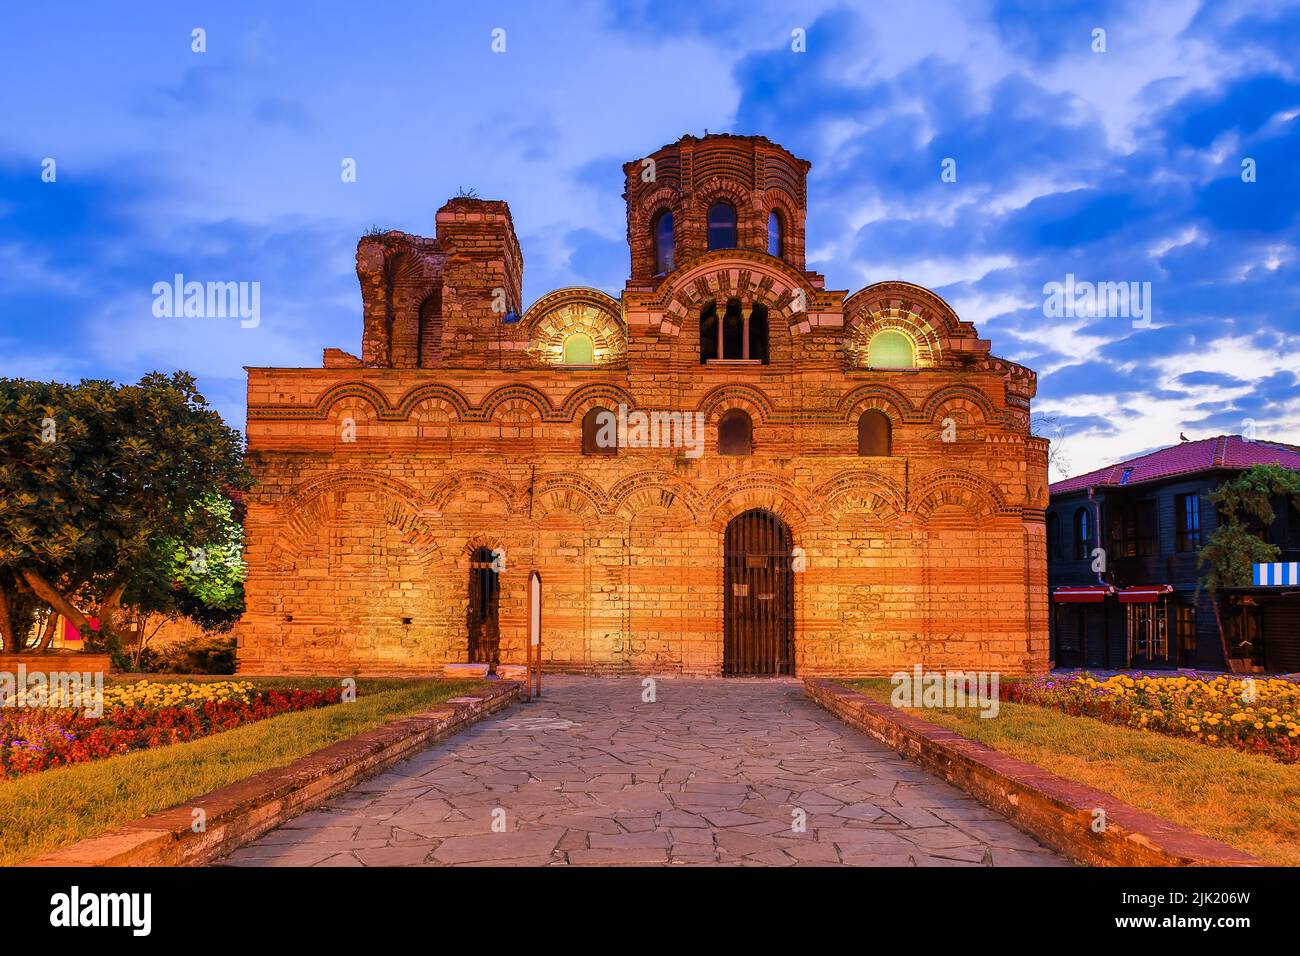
[(1122, 166)]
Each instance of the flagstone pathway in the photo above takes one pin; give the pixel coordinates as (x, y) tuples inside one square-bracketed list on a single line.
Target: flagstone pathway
[(742, 772)]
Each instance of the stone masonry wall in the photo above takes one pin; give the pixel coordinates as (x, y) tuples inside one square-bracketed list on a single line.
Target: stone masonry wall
[(379, 476)]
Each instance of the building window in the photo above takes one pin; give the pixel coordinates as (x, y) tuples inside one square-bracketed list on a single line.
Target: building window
[(579, 350), (664, 246), (1187, 512), (735, 434), (1053, 537), (890, 350), (775, 234), (1185, 628), (875, 434), (740, 336), (1082, 534), (1134, 530), (600, 432), (722, 226)]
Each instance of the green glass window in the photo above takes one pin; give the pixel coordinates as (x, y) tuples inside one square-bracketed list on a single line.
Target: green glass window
[(578, 350), (890, 350)]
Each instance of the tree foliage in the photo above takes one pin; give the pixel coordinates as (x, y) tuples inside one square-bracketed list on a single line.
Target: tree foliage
[(93, 478), (1245, 508), (176, 579)]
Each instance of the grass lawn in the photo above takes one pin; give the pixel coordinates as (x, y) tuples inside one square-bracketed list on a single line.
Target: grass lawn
[(48, 810), (1244, 800)]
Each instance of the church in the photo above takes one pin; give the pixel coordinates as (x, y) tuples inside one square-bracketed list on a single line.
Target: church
[(728, 469)]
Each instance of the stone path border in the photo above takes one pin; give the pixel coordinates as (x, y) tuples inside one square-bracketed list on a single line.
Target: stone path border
[(244, 810), (1057, 811), (704, 772)]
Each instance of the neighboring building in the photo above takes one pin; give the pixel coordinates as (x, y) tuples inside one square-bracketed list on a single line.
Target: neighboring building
[(1144, 611), (865, 495)]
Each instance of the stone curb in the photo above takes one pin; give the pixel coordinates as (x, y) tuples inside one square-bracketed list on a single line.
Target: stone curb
[(244, 810), (1056, 811)]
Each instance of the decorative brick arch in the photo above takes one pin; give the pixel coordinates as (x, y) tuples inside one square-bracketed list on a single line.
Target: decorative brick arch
[(518, 420), (384, 484), (585, 397), (454, 485), (753, 278), (486, 412), (757, 490), (432, 411), (567, 492), (976, 406), (720, 189), (353, 418), (642, 212), (749, 398), (859, 490), (780, 201), (652, 489), (361, 391), (881, 315), (911, 299), (963, 489), (451, 397), (494, 543), (315, 505), (882, 398), (552, 319), (663, 199)]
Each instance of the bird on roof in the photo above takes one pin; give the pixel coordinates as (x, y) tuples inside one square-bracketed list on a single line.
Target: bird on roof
[(1182, 437)]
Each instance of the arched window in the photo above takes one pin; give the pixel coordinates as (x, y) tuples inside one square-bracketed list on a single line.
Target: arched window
[(600, 432), (875, 434), (722, 226), (579, 350), (741, 335), (890, 350), (735, 434), (663, 239), (1082, 535), (1053, 537), (775, 234)]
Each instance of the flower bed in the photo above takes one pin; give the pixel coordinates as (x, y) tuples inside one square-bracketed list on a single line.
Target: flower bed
[(1259, 715), (140, 715)]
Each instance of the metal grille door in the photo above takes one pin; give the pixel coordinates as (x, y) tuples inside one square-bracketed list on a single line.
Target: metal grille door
[(484, 601), (758, 633)]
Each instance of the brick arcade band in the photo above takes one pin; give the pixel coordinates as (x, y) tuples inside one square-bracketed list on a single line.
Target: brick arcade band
[(868, 496)]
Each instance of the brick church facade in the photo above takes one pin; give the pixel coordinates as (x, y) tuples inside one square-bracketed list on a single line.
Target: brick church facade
[(863, 495)]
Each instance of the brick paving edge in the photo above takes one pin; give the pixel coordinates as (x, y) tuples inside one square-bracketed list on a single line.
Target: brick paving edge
[(1056, 811), (242, 811)]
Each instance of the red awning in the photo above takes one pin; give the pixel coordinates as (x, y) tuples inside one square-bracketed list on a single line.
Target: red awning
[(1094, 594), (1146, 594)]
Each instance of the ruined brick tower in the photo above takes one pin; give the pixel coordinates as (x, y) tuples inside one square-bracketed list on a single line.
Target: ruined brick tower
[(862, 495)]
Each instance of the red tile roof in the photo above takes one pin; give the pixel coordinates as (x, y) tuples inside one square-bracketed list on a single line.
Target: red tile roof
[(1226, 451)]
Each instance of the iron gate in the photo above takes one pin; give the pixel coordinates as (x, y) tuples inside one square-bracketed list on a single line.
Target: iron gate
[(758, 632), (484, 602)]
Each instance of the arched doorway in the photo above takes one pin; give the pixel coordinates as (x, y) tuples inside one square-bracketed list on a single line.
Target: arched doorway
[(758, 601), (484, 603)]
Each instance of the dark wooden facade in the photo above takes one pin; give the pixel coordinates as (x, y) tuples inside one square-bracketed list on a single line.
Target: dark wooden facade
[(1138, 526)]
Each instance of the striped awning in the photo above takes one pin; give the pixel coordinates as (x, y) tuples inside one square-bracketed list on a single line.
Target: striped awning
[(1145, 594), (1091, 594), (1277, 574)]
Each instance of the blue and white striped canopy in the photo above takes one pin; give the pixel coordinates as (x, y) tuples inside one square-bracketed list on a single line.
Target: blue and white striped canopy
[(1277, 573)]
